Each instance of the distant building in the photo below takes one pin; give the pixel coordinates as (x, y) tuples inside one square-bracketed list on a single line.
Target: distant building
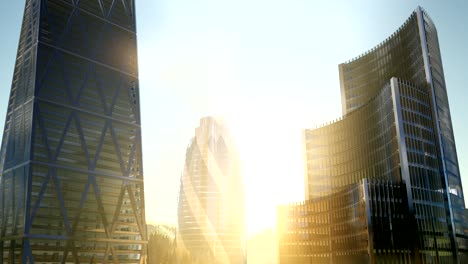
[(396, 138), (211, 212), (71, 178)]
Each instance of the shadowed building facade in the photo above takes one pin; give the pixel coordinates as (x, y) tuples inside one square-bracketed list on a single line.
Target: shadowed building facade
[(211, 213), (71, 188), (343, 227), (395, 131)]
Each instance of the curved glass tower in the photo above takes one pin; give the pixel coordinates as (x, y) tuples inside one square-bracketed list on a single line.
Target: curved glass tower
[(211, 212), (71, 188), (431, 165), (395, 134)]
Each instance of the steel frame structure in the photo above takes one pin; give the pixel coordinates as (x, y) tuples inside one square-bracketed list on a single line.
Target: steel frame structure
[(71, 182)]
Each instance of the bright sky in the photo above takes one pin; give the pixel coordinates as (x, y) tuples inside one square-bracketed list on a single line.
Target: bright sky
[(270, 67)]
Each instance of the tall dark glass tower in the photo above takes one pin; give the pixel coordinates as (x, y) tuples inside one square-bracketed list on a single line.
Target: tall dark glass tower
[(391, 156), (71, 187)]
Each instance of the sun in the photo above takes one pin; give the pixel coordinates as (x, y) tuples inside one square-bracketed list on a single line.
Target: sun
[(270, 149)]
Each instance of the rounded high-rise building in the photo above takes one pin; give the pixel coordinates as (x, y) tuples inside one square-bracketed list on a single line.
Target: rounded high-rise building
[(395, 143), (211, 212)]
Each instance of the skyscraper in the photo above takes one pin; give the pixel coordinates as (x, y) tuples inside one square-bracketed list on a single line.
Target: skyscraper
[(211, 211), (71, 188), (395, 134)]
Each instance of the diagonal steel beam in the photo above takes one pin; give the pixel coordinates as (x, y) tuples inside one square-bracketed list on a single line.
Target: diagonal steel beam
[(81, 136), (101, 93), (39, 199), (114, 256), (116, 95), (65, 79), (106, 254), (61, 201), (101, 210), (131, 156), (135, 211), (102, 8), (127, 11), (26, 252), (76, 101), (111, 9), (117, 209), (117, 148), (45, 137), (62, 137), (99, 147)]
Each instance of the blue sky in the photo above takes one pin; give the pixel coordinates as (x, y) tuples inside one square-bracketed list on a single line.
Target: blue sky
[(270, 67)]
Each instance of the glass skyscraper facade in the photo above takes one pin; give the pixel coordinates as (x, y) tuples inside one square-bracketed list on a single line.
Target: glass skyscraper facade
[(395, 131), (342, 228), (71, 188), (211, 213)]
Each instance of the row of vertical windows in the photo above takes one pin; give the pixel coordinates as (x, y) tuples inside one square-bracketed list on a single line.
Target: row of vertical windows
[(361, 145), (308, 231), (398, 56)]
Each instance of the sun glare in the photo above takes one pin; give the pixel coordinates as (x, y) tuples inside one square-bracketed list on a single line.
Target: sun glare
[(269, 142)]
